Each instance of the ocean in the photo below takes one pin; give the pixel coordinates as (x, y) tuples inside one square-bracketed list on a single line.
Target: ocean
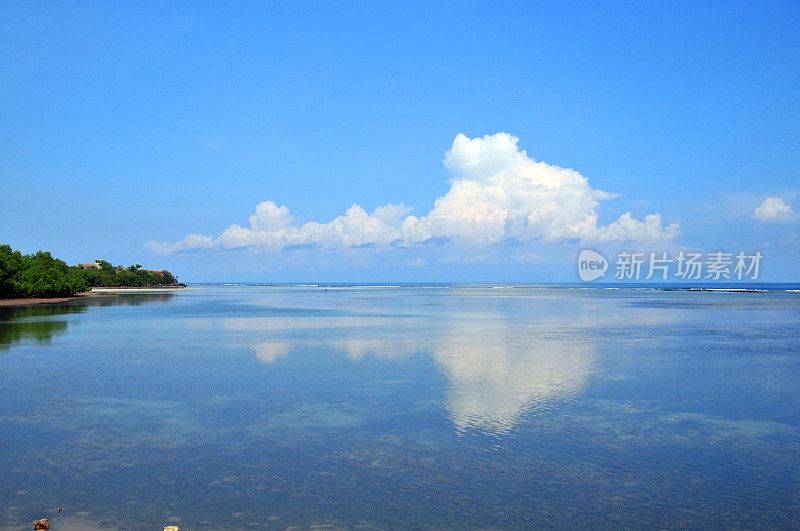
[(243, 406)]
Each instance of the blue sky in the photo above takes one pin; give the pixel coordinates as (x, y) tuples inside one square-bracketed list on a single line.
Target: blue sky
[(128, 123)]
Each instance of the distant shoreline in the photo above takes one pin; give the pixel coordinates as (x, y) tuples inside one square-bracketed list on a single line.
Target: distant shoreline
[(782, 287)]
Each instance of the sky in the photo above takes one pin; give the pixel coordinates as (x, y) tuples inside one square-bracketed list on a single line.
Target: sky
[(399, 142)]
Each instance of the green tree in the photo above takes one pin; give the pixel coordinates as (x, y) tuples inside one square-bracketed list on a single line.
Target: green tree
[(37, 275), (10, 265)]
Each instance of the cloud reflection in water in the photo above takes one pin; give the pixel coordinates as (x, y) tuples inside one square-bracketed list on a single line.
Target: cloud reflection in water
[(497, 375), (496, 379)]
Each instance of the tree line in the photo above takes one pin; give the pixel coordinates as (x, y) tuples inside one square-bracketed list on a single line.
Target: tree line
[(41, 275)]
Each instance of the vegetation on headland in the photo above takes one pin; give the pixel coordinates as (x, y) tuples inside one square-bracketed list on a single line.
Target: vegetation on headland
[(41, 275), (102, 273)]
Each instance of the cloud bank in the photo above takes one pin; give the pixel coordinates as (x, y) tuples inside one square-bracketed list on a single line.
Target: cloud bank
[(774, 210), (497, 193)]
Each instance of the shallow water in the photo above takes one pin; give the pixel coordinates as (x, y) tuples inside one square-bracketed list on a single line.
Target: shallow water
[(226, 407)]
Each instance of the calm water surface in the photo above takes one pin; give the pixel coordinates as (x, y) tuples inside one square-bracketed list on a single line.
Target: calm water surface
[(234, 407)]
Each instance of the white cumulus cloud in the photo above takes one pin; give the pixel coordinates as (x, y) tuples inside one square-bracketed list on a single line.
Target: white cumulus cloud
[(497, 193), (774, 210)]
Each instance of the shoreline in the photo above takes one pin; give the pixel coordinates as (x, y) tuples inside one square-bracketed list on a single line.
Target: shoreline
[(94, 292), (112, 289), (10, 303)]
